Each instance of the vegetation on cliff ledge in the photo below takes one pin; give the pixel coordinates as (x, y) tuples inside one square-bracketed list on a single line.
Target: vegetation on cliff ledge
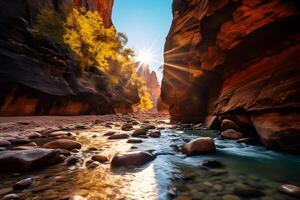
[(95, 46)]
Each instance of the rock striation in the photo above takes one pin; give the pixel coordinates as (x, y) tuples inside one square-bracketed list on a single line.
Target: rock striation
[(236, 60)]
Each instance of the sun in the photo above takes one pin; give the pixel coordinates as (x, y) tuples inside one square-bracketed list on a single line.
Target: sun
[(144, 57)]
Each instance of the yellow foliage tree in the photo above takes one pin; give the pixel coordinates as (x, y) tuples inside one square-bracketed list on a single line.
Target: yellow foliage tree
[(84, 33)]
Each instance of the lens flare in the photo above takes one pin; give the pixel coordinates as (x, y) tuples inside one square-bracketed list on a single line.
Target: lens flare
[(144, 57)]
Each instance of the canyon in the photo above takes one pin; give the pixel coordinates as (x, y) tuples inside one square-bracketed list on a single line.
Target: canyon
[(236, 60), (225, 122)]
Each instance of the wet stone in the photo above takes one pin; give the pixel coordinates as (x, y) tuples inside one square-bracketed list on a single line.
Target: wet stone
[(110, 133), (131, 159), (118, 136), (127, 127), (23, 184), (26, 160), (100, 158), (155, 134), (92, 165), (63, 144), (229, 124), (139, 132), (134, 141), (291, 190), (200, 145), (212, 164), (231, 134), (34, 135)]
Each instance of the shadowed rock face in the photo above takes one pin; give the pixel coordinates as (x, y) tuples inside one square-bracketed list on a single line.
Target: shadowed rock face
[(40, 77), (236, 60)]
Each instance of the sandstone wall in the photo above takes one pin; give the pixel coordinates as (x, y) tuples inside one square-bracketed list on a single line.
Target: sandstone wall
[(41, 77), (237, 60)]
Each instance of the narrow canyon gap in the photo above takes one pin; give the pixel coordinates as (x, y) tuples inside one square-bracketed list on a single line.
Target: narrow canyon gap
[(83, 115)]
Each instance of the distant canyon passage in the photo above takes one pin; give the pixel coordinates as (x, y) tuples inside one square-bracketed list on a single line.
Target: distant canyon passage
[(236, 60)]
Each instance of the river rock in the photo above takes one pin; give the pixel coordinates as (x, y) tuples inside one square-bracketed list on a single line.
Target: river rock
[(149, 127), (155, 134), (200, 145), (134, 141), (231, 134), (64, 152), (109, 133), (131, 159), (212, 164), (92, 165), (4, 143), (118, 136), (246, 191), (138, 132), (58, 133), (100, 158), (291, 190), (21, 161), (127, 127), (23, 184), (229, 124), (11, 197), (63, 144)]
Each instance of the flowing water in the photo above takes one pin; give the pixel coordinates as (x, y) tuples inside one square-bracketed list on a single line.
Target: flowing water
[(172, 175)]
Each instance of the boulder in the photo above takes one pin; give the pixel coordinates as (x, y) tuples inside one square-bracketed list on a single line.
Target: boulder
[(100, 158), (22, 161), (131, 159), (118, 136), (63, 144), (138, 132), (126, 127), (92, 165), (231, 134), (155, 134), (291, 190), (200, 145), (229, 124)]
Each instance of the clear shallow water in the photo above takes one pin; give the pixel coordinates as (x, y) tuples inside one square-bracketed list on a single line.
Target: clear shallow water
[(171, 175)]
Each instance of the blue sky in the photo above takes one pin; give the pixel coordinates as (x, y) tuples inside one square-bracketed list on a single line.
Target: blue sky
[(146, 24)]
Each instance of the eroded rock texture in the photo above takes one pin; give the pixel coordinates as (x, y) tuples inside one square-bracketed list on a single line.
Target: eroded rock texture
[(236, 60), (40, 77)]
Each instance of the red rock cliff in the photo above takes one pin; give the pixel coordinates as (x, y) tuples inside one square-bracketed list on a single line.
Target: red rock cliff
[(237, 60), (151, 82), (41, 77)]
